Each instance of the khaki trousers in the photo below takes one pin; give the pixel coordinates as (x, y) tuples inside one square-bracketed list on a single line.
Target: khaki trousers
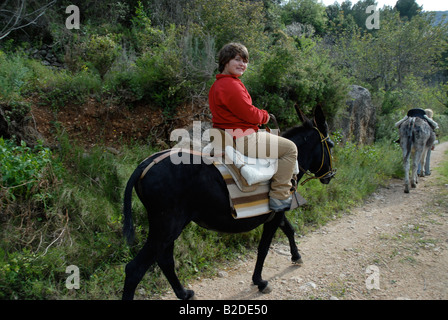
[(264, 145)]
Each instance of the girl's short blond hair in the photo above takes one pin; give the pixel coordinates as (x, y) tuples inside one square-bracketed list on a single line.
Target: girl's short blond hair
[(229, 52)]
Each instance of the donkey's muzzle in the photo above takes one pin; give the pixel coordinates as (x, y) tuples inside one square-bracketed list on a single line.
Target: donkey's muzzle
[(327, 178)]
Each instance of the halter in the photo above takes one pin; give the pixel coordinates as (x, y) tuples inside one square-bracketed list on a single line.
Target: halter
[(329, 174)]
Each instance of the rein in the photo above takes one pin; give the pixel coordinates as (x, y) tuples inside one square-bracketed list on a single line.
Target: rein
[(324, 142), (332, 172)]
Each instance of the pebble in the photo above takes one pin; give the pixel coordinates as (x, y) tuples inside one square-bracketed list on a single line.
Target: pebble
[(308, 285), (223, 274)]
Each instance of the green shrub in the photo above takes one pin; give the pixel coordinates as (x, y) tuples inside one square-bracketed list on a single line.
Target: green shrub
[(120, 81), (61, 88), (22, 276), (286, 76), (158, 73), (143, 35), (14, 77), (442, 121), (102, 51), (23, 169)]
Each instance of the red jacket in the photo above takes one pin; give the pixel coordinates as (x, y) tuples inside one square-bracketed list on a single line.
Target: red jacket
[(231, 106)]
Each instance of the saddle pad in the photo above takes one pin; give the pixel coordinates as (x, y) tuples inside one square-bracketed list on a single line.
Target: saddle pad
[(252, 169), (246, 204)]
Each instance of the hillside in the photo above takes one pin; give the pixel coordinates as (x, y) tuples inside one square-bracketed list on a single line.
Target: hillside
[(441, 17)]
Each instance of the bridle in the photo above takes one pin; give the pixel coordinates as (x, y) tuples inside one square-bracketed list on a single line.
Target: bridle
[(324, 142), (328, 174)]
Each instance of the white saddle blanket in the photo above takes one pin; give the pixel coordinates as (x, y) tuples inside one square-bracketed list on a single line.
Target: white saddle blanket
[(254, 170)]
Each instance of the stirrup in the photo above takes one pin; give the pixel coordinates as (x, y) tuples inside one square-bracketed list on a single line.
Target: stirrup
[(277, 205)]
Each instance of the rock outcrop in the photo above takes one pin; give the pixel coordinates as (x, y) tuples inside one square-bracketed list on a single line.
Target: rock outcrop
[(358, 121)]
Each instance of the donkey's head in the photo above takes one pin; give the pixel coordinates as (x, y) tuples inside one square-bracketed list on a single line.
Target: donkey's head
[(314, 146)]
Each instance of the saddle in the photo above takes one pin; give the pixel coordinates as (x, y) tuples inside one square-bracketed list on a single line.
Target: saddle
[(247, 172), (420, 113), (247, 179), (417, 113)]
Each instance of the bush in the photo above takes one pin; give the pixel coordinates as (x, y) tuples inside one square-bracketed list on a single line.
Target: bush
[(143, 35), (102, 51), (23, 170), (288, 75), (158, 73), (21, 276), (60, 88), (14, 77)]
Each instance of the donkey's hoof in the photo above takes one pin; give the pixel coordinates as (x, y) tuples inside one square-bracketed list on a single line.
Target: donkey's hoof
[(297, 262), (193, 297), (267, 289), (189, 295), (264, 287)]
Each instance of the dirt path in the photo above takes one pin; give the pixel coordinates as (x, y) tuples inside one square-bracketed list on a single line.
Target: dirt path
[(392, 247)]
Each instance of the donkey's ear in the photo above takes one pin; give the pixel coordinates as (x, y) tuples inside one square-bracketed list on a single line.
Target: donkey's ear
[(319, 118), (302, 117)]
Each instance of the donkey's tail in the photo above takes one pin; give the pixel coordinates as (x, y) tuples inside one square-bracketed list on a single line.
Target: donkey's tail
[(128, 226), (410, 136)]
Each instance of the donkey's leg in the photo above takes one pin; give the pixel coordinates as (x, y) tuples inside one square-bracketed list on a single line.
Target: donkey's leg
[(406, 167), (423, 160), (165, 261), (136, 269), (428, 161), (415, 161), (269, 230), (289, 232)]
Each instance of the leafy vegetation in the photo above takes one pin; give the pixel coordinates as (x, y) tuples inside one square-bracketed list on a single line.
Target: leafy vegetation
[(63, 206)]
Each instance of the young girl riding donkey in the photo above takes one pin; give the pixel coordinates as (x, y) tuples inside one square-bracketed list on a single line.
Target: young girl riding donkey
[(232, 110)]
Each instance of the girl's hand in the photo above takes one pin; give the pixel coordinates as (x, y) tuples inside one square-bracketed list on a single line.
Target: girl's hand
[(269, 118)]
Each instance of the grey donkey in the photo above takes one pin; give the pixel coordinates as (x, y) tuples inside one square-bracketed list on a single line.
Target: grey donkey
[(416, 137)]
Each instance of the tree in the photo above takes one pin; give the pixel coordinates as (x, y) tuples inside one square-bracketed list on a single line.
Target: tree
[(340, 20), (397, 50), (230, 20), (408, 8), (272, 12), (16, 15), (166, 12), (305, 12), (359, 12)]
